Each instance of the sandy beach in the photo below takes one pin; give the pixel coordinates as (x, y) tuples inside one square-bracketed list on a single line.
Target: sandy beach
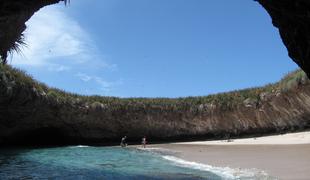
[(283, 156)]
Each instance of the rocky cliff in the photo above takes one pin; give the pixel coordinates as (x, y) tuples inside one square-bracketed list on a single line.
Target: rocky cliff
[(33, 113), (30, 112)]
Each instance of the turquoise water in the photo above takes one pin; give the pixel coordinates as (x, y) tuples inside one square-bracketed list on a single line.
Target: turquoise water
[(83, 162)]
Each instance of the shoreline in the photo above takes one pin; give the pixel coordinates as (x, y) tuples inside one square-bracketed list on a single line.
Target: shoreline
[(282, 156), (281, 139)]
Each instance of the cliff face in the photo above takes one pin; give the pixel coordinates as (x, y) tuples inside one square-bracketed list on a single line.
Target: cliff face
[(32, 114), (29, 113), (292, 17), (13, 16)]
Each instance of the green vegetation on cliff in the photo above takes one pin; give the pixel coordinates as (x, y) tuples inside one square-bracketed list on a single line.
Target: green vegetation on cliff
[(225, 101)]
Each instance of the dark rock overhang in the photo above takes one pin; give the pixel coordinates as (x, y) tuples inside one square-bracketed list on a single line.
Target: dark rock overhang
[(13, 16), (292, 17)]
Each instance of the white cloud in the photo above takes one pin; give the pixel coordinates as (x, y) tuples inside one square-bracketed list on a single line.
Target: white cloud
[(52, 35), (58, 68), (105, 86), (84, 77), (57, 43)]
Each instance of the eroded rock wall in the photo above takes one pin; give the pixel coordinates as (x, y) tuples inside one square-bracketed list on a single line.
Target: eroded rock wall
[(27, 115), (32, 116)]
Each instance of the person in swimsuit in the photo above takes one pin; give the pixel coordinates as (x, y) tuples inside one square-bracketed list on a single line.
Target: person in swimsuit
[(143, 142), (123, 141)]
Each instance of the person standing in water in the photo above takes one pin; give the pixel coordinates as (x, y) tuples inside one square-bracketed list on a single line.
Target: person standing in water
[(123, 141), (143, 142)]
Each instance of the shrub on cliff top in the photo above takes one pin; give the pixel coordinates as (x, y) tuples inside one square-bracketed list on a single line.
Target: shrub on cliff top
[(292, 80), (226, 100)]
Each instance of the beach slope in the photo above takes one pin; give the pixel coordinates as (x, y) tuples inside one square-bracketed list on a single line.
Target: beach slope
[(284, 156)]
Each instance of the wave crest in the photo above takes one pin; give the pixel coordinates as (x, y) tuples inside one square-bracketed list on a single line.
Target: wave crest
[(224, 172)]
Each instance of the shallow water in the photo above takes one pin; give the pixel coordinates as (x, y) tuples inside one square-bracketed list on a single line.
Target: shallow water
[(83, 162)]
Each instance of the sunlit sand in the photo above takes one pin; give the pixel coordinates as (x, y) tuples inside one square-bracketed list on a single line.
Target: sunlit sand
[(290, 138), (283, 156)]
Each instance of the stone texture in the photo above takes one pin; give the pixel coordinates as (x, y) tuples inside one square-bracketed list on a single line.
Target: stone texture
[(28, 115)]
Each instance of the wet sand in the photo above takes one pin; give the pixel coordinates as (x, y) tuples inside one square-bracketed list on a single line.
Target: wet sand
[(283, 156)]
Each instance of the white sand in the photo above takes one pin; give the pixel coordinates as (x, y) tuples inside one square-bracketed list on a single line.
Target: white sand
[(284, 156), (286, 162), (285, 139)]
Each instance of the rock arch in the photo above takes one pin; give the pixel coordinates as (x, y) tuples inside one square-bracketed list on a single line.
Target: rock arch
[(292, 17)]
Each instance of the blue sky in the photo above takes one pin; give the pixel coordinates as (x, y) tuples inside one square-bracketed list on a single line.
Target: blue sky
[(153, 48)]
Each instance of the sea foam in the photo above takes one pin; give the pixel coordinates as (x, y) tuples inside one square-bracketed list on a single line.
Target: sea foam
[(224, 172), (79, 146)]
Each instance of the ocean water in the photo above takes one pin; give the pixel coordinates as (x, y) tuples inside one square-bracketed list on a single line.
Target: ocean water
[(84, 162)]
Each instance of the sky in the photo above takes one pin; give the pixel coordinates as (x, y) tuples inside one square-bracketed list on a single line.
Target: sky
[(153, 48)]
